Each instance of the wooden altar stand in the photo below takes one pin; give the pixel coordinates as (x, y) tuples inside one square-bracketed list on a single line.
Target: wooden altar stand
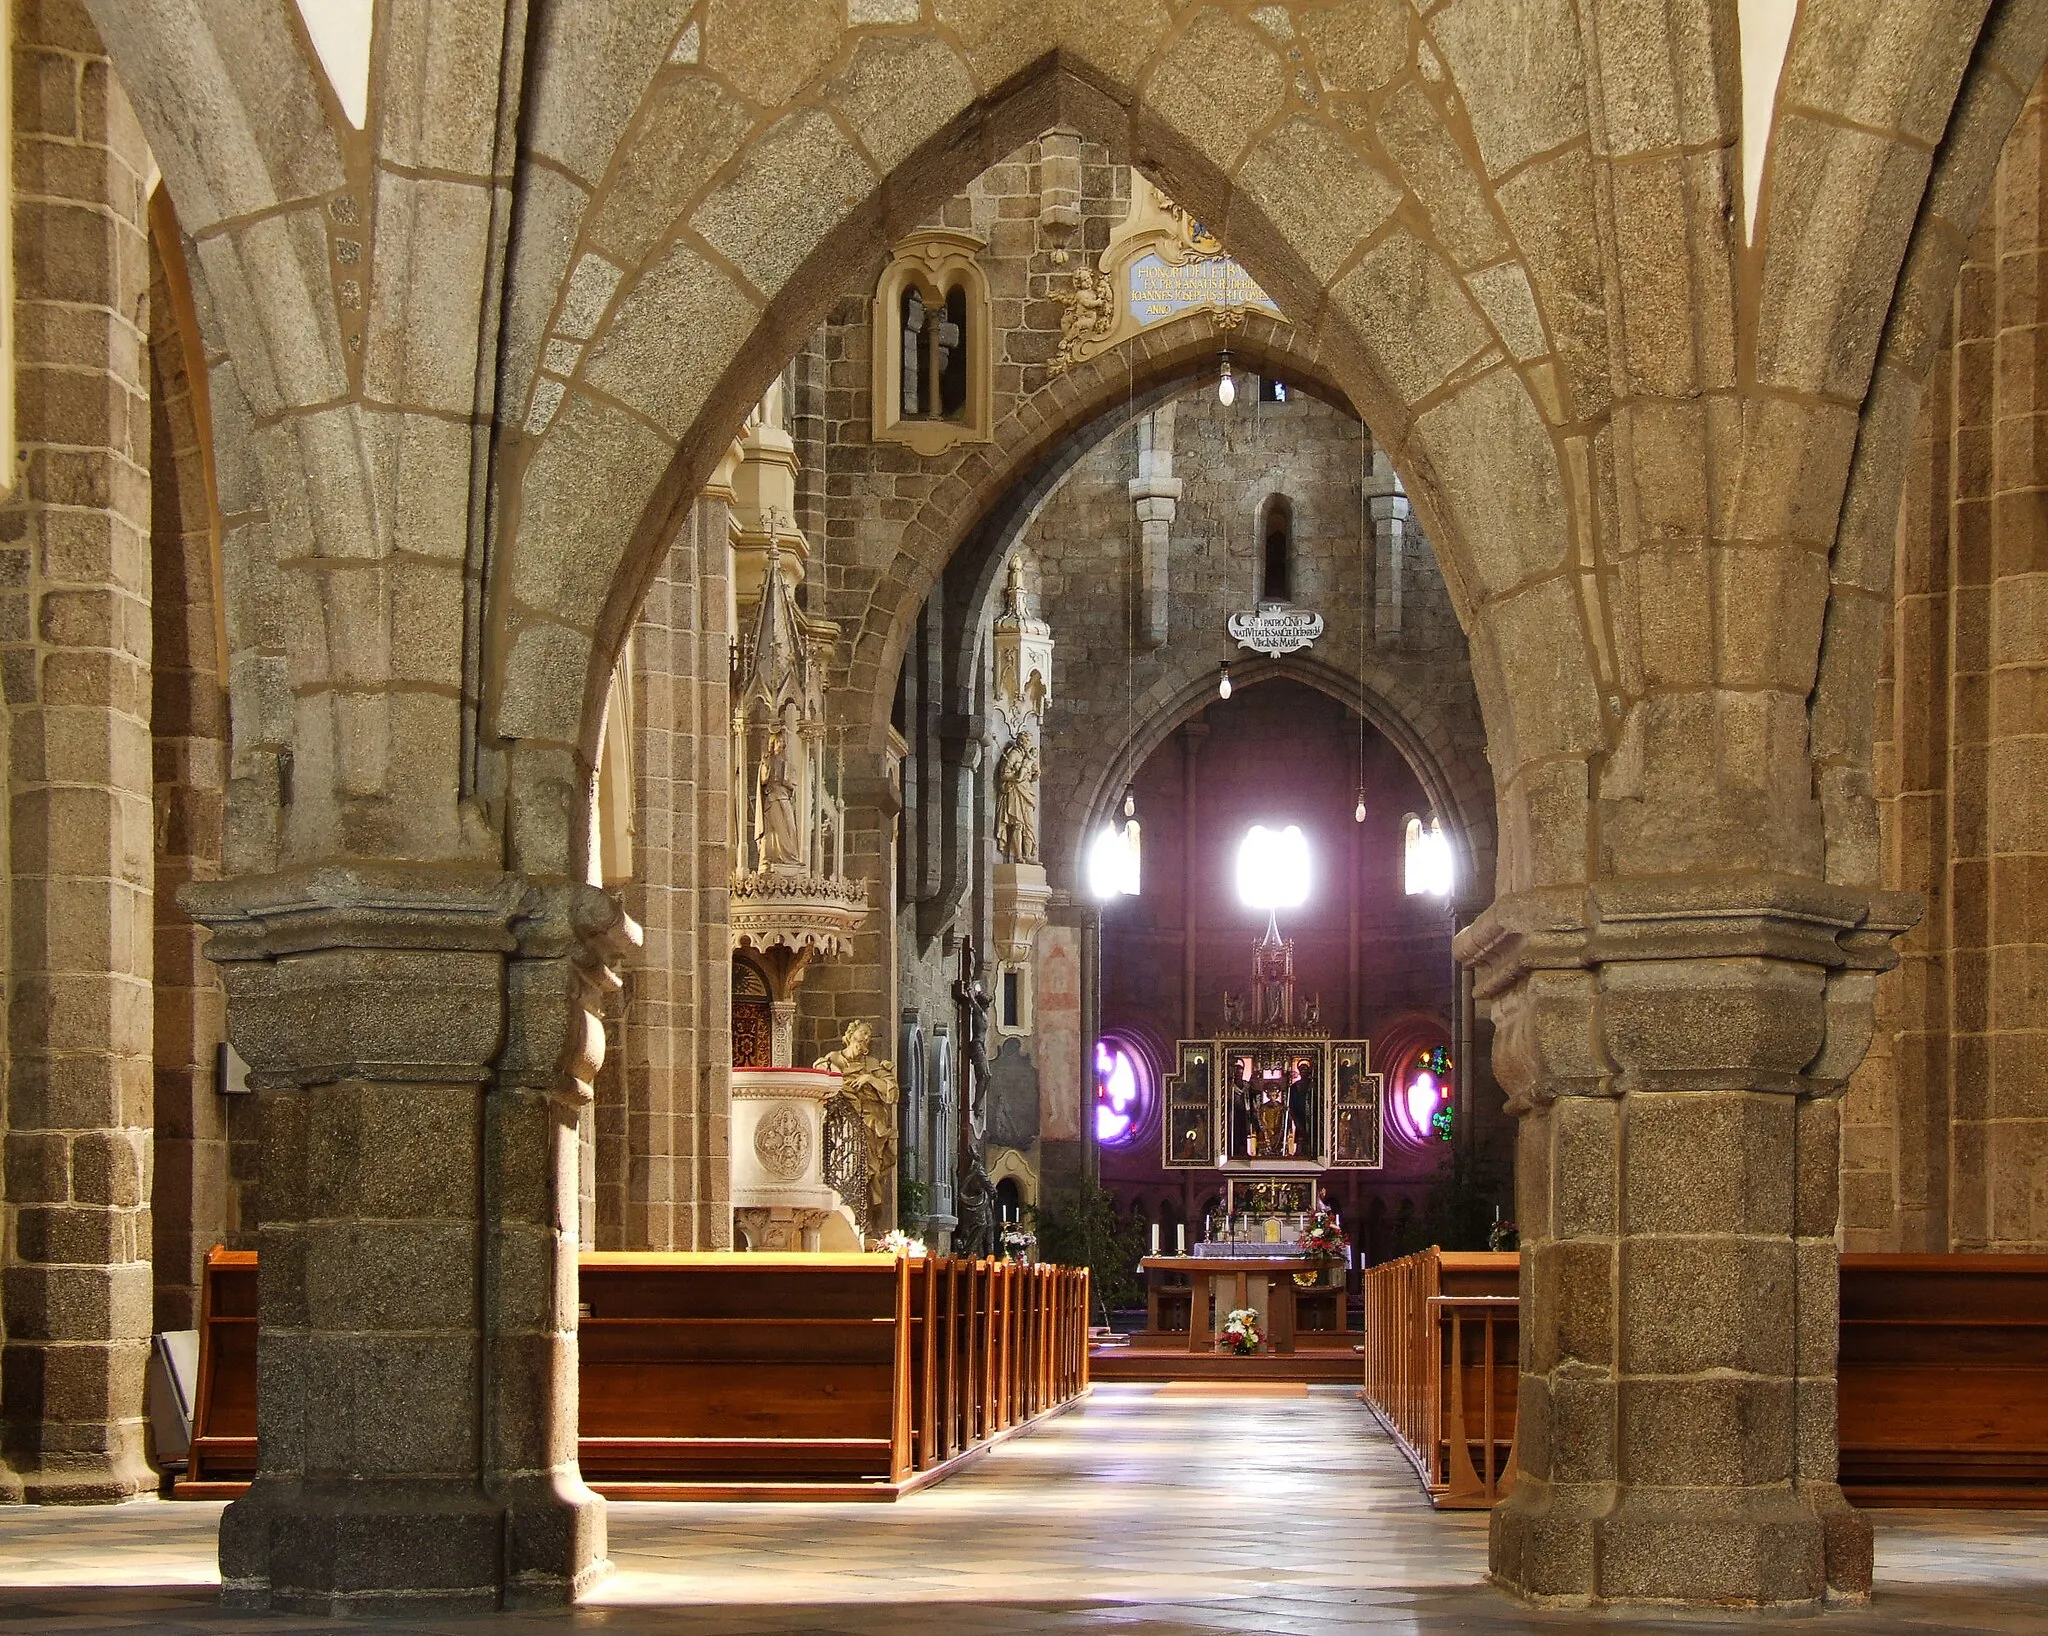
[(1187, 1299)]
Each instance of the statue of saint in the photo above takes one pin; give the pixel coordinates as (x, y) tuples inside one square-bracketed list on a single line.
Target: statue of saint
[(780, 840), (870, 1085), (1017, 801), (971, 996), (975, 1209)]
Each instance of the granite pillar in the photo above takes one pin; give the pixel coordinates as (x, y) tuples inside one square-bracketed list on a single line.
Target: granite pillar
[(421, 1040), (1675, 1052)]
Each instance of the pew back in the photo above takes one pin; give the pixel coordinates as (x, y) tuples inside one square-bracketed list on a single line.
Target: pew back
[(1442, 1353), (756, 1376), (222, 1458), (1943, 1380)]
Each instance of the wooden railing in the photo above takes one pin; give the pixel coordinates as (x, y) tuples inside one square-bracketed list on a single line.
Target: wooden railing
[(750, 1376), (1442, 1343)]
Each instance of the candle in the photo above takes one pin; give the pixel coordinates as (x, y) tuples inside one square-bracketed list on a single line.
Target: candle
[(1180, 1238), (1155, 1238)]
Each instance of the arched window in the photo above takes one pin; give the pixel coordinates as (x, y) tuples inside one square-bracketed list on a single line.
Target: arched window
[(1422, 1096), (1426, 856), (1276, 550), (1123, 1091), (933, 380)]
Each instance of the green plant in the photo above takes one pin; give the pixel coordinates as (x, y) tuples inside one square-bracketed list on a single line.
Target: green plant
[(1470, 1184), (913, 1203), (1082, 1227)]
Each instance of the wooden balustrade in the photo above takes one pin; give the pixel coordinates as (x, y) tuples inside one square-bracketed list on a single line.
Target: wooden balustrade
[(1442, 1346), (748, 1376)]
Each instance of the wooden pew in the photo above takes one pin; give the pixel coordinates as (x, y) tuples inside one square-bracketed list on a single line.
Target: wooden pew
[(1442, 1355), (748, 1376), (1942, 1384), (223, 1455), (730, 1372)]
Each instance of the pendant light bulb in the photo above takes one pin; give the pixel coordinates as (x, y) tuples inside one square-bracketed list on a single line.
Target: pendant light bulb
[(1130, 803), (1358, 812), (1223, 682), (1226, 385)]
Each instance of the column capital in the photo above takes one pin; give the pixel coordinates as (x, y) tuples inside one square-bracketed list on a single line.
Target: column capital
[(1778, 917), (393, 971), (1749, 981)]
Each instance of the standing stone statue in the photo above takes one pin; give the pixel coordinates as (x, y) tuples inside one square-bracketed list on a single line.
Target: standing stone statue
[(1017, 801), (780, 840), (974, 1208), (870, 1085), (971, 996)]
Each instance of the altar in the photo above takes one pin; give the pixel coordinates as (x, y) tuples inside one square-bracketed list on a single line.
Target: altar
[(1270, 1284)]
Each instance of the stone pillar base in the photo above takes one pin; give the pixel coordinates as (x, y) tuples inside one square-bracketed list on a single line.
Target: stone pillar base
[(98, 1476), (394, 1548), (1765, 1547)]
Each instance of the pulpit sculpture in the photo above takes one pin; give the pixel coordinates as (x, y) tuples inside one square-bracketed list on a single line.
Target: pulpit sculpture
[(869, 1085)]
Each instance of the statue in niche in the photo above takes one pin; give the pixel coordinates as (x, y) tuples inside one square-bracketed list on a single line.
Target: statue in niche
[(870, 1085), (780, 839), (970, 994), (913, 353), (1233, 1010), (1312, 1012), (1017, 801)]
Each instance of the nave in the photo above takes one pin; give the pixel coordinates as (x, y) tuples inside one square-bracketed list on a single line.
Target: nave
[(1184, 1508)]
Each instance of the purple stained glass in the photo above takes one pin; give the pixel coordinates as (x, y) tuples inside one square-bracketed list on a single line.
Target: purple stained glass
[(1117, 1094), (1422, 1094)]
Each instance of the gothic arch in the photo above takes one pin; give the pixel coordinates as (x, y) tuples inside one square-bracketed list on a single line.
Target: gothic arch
[(964, 534), (1443, 393), (1450, 772)]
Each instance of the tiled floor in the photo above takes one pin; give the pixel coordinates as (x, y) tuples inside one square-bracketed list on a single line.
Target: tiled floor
[(1137, 1512)]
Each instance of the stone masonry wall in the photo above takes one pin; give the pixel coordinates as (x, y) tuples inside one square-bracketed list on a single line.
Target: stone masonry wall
[(1082, 548), (1945, 1131)]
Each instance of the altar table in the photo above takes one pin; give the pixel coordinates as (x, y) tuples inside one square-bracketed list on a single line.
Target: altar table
[(1262, 1282)]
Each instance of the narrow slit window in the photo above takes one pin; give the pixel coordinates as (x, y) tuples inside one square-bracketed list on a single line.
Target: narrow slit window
[(1276, 532)]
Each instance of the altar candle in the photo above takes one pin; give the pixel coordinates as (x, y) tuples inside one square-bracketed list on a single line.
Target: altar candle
[(1155, 1238), (1180, 1238)]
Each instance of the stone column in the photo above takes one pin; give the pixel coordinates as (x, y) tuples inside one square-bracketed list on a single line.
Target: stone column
[(74, 606), (1676, 1053), (1155, 496), (1391, 522), (421, 1040), (663, 1155)]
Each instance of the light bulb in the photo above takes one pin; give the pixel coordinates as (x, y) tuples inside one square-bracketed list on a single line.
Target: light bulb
[(1223, 684), (1358, 812), (1226, 387), (1130, 803)]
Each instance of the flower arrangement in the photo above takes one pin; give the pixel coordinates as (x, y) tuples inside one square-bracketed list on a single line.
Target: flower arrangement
[(1241, 1335), (1322, 1239), (899, 1242), (1019, 1242)]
